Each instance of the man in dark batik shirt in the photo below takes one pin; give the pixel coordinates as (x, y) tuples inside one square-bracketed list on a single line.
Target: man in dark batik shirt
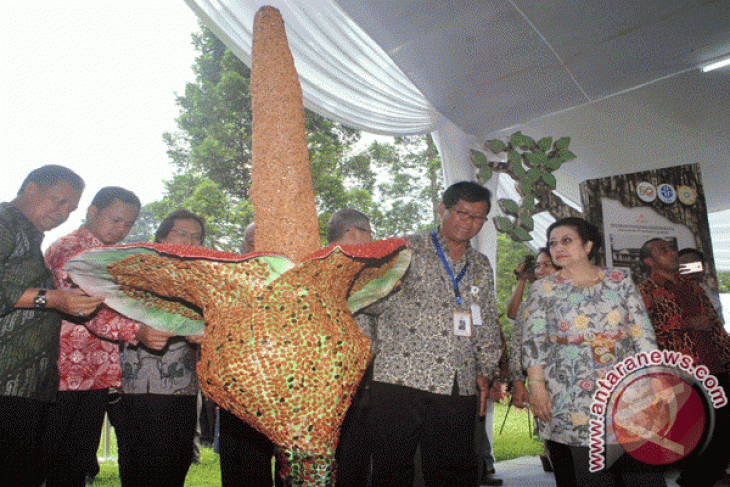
[(30, 320), (685, 321)]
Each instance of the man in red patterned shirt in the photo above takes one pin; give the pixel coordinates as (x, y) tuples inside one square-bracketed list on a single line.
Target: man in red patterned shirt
[(89, 361), (685, 321)]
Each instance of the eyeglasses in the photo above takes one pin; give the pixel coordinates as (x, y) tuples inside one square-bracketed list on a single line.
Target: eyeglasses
[(366, 230), (193, 237), (463, 215)]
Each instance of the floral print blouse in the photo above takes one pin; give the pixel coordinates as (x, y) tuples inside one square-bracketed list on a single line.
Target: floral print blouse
[(577, 334)]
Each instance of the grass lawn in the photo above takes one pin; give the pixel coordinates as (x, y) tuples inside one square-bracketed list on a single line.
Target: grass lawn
[(514, 442)]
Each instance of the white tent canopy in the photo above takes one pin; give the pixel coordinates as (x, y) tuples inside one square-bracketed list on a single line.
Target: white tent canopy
[(621, 79)]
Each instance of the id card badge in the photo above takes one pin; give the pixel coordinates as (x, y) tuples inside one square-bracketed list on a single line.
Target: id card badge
[(476, 315), (462, 324)]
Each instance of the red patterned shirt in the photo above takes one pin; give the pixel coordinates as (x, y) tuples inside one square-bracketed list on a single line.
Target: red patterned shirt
[(670, 305), (89, 357)]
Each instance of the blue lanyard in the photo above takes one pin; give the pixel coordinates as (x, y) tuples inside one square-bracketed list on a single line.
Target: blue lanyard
[(456, 280)]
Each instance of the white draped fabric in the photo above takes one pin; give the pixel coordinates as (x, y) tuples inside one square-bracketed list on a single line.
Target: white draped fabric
[(348, 78), (345, 76)]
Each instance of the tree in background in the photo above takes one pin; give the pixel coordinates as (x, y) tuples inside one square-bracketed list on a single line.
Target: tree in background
[(396, 184), (509, 255)]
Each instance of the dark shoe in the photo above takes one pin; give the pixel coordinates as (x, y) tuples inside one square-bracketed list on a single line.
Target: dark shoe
[(546, 465), (488, 478)]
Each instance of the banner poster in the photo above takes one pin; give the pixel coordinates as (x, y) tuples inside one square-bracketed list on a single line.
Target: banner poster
[(630, 209)]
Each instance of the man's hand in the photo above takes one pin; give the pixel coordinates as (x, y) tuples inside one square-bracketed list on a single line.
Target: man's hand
[(497, 391), (73, 301), (195, 339), (483, 384), (520, 397), (151, 338), (540, 400)]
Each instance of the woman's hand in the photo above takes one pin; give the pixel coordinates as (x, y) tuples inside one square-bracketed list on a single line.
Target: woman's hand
[(540, 404)]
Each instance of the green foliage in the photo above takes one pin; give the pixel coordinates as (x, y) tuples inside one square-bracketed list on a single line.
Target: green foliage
[(396, 184), (509, 255), (723, 280)]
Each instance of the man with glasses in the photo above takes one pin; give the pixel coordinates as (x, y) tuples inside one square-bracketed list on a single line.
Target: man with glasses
[(439, 346), (159, 400)]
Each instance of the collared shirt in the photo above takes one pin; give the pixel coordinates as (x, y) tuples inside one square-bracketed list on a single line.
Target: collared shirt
[(415, 324), (170, 371), (577, 334), (670, 304), (89, 357), (28, 337)]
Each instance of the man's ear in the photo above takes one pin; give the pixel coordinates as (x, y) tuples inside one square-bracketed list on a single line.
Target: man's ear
[(442, 209), (91, 212)]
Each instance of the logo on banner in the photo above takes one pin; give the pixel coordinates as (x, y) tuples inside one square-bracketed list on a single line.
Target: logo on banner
[(666, 193), (646, 192), (657, 406), (687, 195)]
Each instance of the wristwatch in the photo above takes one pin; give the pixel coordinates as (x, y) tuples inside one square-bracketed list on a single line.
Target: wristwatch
[(40, 301)]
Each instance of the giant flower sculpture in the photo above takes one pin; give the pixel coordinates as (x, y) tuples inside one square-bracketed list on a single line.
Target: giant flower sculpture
[(281, 349)]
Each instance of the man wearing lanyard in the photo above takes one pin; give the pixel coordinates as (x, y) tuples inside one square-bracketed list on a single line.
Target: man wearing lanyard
[(439, 348)]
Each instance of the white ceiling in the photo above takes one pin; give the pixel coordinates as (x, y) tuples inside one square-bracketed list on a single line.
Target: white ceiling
[(620, 77)]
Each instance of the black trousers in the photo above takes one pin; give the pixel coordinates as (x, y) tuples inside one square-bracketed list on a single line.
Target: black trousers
[(706, 468), (353, 448), (570, 464), (400, 418), (22, 427), (245, 454), (72, 436), (155, 437)]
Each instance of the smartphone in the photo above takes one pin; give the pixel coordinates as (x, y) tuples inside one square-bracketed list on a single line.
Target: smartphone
[(691, 267)]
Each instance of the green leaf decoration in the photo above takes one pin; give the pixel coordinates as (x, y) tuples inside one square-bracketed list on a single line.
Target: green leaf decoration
[(532, 175), (562, 143), (536, 159), (503, 224), (553, 163), (545, 144), (485, 173), (515, 160), (528, 202), (478, 158), (566, 155), (521, 235), (549, 180), (508, 206), (526, 221), (517, 139), (495, 145)]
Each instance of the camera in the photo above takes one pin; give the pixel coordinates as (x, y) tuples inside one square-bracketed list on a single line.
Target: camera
[(529, 267)]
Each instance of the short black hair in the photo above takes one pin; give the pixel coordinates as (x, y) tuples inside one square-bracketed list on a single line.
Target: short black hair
[(468, 191), (645, 250), (690, 250), (50, 175), (587, 232), (340, 222), (180, 214), (105, 197)]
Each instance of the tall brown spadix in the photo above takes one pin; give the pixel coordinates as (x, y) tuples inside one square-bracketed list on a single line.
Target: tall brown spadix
[(282, 191)]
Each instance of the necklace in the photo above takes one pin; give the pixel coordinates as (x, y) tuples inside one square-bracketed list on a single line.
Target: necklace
[(584, 282)]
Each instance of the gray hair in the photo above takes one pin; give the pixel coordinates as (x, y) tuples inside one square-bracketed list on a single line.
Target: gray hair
[(344, 220)]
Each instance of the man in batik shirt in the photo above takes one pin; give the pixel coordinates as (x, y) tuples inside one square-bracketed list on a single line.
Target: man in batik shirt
[(685, 321), (89, 359), (439, 347)]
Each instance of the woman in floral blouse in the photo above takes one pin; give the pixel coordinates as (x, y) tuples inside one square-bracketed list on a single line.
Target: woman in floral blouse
[(577, 324)]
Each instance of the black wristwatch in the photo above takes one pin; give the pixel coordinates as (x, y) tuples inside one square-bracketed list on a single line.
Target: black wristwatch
[(40, 301)]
